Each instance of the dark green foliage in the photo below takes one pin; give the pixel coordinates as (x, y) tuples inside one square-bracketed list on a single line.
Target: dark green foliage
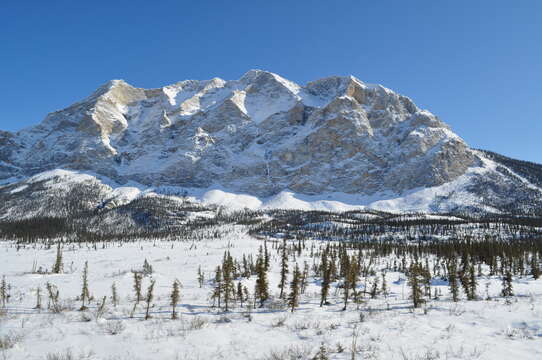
[(283, 268), (148, 299), (58, 266), (261, 290), (415, 280), (175, 297), (85, 294), (293, 297)]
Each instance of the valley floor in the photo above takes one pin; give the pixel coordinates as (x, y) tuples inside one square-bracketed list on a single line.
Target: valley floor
[(381, 328)]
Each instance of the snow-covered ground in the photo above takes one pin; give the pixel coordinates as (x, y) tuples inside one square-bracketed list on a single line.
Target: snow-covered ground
[(382, 328)]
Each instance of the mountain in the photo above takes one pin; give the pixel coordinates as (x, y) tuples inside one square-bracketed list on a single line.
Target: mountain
[(261, 141)]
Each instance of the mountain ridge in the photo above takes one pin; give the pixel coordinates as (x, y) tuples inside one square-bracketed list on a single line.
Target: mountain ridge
[(264, 136)]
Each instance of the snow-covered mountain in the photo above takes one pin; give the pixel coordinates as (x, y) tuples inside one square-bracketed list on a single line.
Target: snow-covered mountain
[(335, 143)]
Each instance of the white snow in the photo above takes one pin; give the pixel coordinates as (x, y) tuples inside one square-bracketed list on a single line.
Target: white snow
[(66, 175), (390, 330), (124, 194), (415, 200)]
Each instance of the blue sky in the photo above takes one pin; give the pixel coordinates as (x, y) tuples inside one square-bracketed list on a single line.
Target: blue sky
[(475, 64)]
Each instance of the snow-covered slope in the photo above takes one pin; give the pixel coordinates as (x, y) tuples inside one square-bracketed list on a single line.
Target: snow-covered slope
[(263, 141)]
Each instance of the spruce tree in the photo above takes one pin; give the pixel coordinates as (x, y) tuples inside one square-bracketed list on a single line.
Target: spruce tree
[(326, 280), (261, 290), (147, 268), (452, 280), (240, 295), (350, 278), (175, 297), (38, 298), (3, 291), (415, 278), (535, 267), (283, 268), (58, 266), (384, 286), (85, 294), (427, 279), (374, 288), (114, 295), (137, 289), (54, 298), (228, 288), (201, 277), (293, 298), (148, 299), (304, 277), (473, 283), (266, 255), (321, 354), (217, 291), (507, 289), (137, 286)]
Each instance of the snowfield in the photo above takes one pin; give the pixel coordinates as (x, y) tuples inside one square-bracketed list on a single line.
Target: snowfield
[(381, 328)]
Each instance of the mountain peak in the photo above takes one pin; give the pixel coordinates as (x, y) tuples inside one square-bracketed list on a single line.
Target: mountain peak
[(264, 134)]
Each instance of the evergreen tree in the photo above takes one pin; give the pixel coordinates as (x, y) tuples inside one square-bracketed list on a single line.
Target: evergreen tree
[(175, 297), (283, 268), (261, 290), (304, 277), (266, 255), (535, 267), (54, 298), (246, 267), (415, 278), (58, 266), (473, 283), (114, 295), (374, 288), (38, 298), (147, 268), (321, 354), (137, 289), (201, 277), (452, 280), (217, 291), (4, 291), (137, 286), (507, 289), (148, 299), (228, 288), (350, 278), (427, 279), (384, 287), (85, 294), (326, 280), (293, 298), (240, 294)]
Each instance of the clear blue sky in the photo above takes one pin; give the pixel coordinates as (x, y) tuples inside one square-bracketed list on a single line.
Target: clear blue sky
[(476, 64)]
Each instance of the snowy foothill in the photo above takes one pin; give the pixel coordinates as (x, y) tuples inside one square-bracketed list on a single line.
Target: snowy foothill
[(383, 327)]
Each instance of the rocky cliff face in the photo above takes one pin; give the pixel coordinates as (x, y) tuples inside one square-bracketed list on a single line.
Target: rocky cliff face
[(260, 135)]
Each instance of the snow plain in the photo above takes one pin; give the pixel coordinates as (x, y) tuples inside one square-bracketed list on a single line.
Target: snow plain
[(385, 328)]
